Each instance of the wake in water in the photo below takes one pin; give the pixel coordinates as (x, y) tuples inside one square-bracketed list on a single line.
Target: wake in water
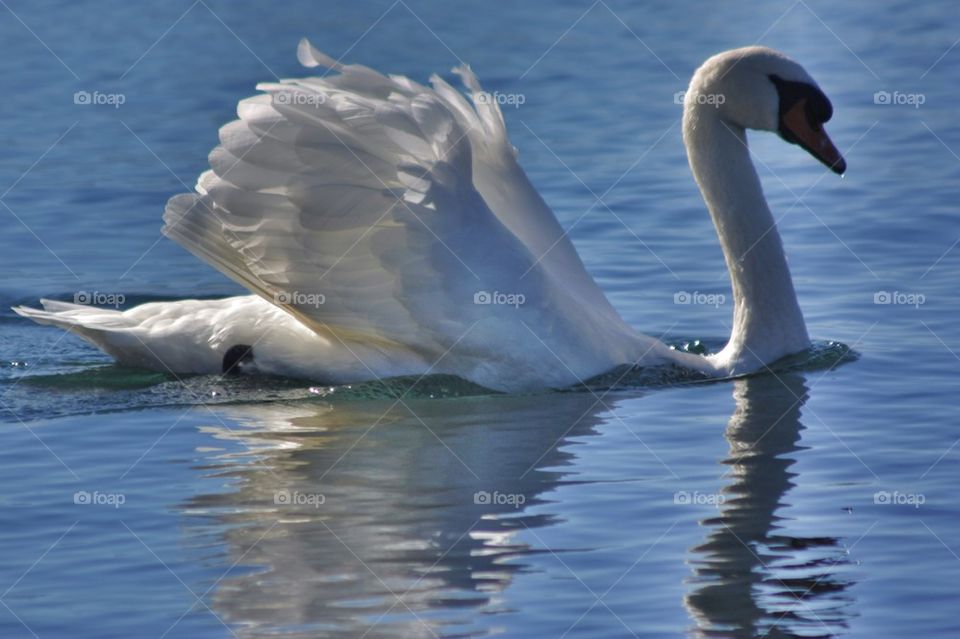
[(820, 356), (85, 388)]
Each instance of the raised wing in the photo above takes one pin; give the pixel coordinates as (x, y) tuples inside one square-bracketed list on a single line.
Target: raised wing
[(379, 210)]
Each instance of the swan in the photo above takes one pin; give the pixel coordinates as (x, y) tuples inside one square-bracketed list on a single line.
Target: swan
[(386, 228)]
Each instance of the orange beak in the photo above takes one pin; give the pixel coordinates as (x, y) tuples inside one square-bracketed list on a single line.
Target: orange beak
[(813, 138)]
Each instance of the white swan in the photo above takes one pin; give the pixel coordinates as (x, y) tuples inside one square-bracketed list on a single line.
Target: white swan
[(375, 217)]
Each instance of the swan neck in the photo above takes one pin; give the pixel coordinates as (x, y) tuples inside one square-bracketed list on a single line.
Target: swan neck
[(767, 322)]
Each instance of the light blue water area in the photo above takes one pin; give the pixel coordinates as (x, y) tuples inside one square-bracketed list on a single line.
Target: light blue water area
[(814, 502)]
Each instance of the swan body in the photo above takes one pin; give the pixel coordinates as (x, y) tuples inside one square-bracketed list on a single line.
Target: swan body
[(386, 228)]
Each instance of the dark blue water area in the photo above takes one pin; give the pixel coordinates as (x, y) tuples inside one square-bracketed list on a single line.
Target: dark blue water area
[(819, 501)]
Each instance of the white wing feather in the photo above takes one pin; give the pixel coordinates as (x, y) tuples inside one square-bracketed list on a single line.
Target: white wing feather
[(373, 209)]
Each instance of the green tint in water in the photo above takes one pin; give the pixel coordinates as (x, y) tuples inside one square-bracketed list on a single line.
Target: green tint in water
[(820, 356), (116, 388), (99, 377)]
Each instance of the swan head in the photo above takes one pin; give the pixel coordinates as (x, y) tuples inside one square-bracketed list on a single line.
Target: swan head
[(760, 88)]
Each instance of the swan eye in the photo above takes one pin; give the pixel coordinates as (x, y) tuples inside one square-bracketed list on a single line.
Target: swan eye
[(817, 107), (803, 110)]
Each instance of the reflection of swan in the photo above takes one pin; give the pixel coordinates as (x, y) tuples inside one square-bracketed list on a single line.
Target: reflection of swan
[(392, 524), (750, 580), (389, 230), (401, 541)]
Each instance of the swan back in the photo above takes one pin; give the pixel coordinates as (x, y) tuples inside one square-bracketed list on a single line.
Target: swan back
[(386, 214)]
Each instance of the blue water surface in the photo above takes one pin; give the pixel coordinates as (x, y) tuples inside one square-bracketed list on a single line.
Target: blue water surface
[(814, 502)]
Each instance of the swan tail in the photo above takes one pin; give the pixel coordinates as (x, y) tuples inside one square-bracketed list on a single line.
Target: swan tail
[(106, 329), (189, 336)]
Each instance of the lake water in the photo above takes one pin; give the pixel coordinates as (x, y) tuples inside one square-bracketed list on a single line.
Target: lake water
[(816, 502)]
